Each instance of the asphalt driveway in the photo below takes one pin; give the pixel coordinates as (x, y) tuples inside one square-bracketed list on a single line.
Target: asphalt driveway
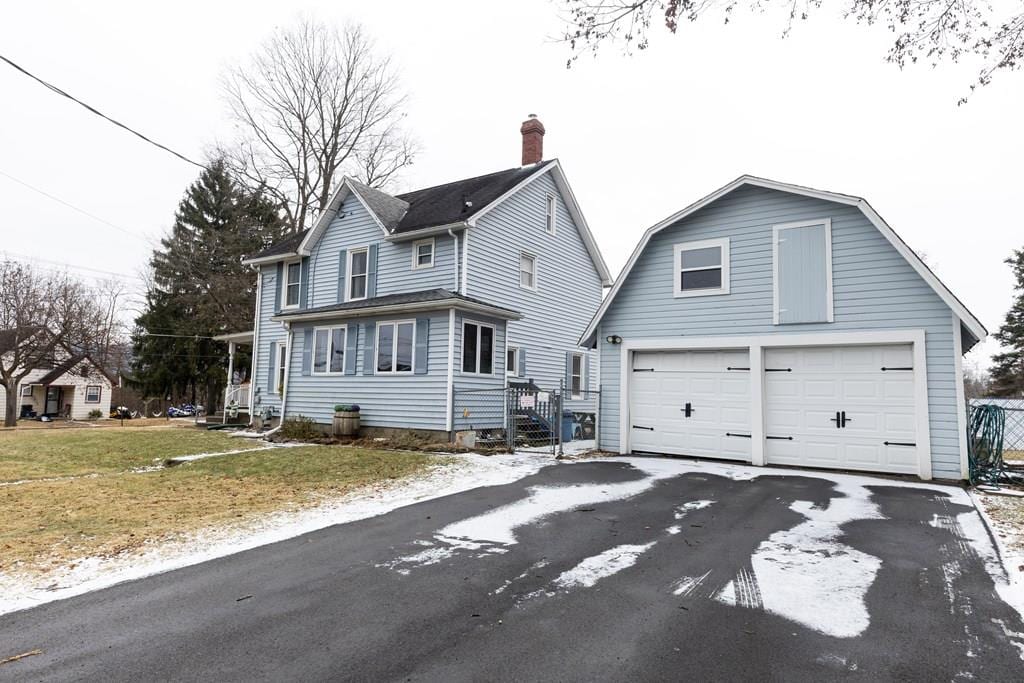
[(645, 569)]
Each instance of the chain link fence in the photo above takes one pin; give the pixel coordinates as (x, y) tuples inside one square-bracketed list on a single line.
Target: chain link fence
[(523, 416), (1013, 434)]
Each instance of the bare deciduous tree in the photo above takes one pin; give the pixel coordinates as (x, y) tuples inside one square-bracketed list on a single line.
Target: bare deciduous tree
[(41, 314), (924, 30), (315, 103)]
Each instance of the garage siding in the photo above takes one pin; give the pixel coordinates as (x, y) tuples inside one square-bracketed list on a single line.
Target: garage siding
[(874, 289)]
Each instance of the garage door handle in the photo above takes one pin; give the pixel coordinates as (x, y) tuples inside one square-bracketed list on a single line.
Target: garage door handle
[(687, 409), (845, 419), (649, 429), (780, 438), (837, 419), (742, 436)]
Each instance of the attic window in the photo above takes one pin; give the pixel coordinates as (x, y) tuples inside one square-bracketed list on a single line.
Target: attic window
[(423, 254), (549, 214), (702, 268)]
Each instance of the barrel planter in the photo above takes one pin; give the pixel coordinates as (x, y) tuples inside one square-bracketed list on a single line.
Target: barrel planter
[(346, 420)]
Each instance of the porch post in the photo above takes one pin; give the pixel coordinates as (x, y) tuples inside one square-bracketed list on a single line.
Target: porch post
[(231, 373)]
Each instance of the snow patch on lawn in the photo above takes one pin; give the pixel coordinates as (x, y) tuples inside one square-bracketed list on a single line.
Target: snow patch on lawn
[(601, 566), (1003, 561), (18, 591)]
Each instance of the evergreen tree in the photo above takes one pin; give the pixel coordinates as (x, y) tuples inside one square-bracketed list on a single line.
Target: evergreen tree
[(200, 288), (1007, 375)]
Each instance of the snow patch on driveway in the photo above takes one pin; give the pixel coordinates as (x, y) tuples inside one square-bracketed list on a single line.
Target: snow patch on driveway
[(601, 566)]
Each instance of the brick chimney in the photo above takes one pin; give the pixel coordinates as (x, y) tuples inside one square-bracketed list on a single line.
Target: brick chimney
[(533, 140)]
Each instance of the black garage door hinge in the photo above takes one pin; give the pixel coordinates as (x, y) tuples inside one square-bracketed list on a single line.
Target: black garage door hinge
[(732, 368), (643, 369), (888, 369), (742, 436), (780, 438), (778, 369), (898, 443), (649, 429)]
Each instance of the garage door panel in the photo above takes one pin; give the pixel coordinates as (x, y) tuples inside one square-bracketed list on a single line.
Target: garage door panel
[(879, 406)]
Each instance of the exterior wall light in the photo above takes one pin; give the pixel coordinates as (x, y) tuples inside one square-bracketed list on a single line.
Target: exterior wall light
[(613, 339)]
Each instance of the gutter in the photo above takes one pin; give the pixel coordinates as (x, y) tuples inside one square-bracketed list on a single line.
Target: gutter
[(426, 232), (441, 305)]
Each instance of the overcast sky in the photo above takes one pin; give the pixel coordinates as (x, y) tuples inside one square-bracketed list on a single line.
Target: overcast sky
[(639, 137)]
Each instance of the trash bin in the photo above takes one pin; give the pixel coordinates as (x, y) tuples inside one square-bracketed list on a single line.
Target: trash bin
[(567, 425)]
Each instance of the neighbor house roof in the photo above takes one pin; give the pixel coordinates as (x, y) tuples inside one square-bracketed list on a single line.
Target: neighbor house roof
[(428, 299), (456, 205), (968, 319), (67, 365)]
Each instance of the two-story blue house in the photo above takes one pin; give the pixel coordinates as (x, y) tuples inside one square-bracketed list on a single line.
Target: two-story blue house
[(396, 303), (772, 323)]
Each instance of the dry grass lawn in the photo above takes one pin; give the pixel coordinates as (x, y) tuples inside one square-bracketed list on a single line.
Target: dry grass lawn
[(44, 524)]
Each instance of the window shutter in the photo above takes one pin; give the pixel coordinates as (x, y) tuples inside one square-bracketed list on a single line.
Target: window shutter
[(371, 272), (422, 337), (278, 280), (802, 278), (307, 350), (272, 366), (351, 347), (369, 345), (304, 282), (522, 362), (568, 370), (341, 276)]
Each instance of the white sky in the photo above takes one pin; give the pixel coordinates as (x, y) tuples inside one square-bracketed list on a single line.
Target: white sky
[(640, 137)]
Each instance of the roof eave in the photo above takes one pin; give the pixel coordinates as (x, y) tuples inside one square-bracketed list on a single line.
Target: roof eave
[(441, 305), (425, 232), (263, 260)]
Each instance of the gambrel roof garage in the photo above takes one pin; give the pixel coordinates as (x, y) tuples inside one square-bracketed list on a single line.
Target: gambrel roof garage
[(777, 324)]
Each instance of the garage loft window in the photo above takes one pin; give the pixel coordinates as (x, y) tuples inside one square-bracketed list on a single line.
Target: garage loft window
[(701, 268)]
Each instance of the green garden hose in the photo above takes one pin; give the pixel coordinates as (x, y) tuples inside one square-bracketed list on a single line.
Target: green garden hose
[(985, 443)]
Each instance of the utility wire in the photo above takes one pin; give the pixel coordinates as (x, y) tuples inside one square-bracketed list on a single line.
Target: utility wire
[(71, 206), (101, 114), (73, 266)]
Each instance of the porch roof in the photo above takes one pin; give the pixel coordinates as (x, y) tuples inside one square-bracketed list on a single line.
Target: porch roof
[(237, 337), (425, 300)]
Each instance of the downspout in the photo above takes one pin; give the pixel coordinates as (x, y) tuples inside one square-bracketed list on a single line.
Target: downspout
[(255, 343), (455, 258), (465, 264)]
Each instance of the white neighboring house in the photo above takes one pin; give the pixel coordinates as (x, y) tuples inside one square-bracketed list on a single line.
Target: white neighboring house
[(74, 387)]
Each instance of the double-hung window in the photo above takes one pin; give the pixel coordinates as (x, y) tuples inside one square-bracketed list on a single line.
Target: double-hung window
[(282, 363), (423, 254), (477, 348), (93, 392), (292, 284), (395, 346), (527, 271), (358, 261), (329, 350), (512, 361), (549, 214), (576, 375), (701, 268)]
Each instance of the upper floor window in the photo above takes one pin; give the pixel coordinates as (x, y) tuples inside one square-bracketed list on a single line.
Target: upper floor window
[(549, 214), (292, 284), (358, 261), (701, 268), (527, 271), (329, 350), (423, 254), (395, 346), (93, 392), (477, 348)]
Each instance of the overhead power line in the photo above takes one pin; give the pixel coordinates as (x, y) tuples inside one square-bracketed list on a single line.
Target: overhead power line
[(97, 112), (72, 266), (72, 206)]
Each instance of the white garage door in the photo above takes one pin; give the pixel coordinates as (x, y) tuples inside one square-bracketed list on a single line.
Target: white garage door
[(848, 407), (691, 403)]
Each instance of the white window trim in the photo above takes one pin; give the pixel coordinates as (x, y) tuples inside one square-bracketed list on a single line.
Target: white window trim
[(99, 396), (494, 345), (550, 214), (348, 273), (583, 388), (280, 366), (330, 350), (776, 229), (416, 265), (394, 348), (284, 285), (677, 267), (24, 388), (519, 270), (513, 369)]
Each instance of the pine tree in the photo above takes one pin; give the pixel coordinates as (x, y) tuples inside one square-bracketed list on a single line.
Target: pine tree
[(200, 287), (1008, 372)]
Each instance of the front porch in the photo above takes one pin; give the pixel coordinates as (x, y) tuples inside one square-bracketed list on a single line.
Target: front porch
[(238, 392)]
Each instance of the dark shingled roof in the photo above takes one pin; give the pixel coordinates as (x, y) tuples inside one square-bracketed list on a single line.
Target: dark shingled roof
[(424, 296), (426, 208), (443, 204)]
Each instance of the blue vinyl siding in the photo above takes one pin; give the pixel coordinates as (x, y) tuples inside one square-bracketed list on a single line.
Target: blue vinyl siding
[(569, 289), (269, 332), (874, 288), (410, 401), (479, 404)]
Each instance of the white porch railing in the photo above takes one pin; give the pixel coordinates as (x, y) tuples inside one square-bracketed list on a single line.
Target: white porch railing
[(239, 393)]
